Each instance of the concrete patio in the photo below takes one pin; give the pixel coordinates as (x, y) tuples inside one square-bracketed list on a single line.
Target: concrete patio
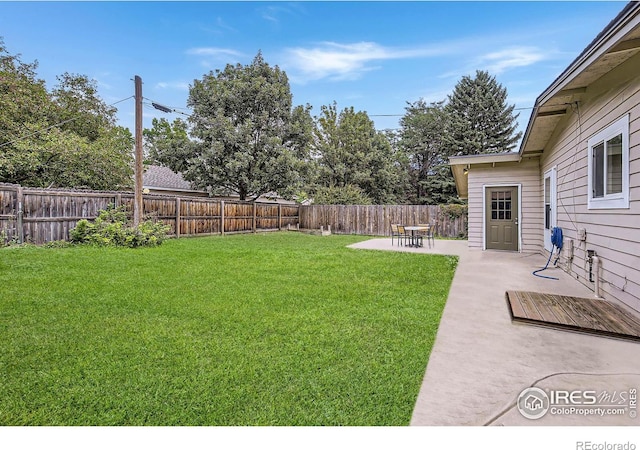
[(481, 361)]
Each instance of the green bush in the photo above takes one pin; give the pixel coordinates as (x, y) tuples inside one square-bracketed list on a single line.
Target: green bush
[(57, 244), (453, 211), (341, 195), (112, 228)]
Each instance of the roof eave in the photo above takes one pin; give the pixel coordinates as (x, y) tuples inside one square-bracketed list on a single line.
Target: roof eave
[(460, 166), (623, 23)]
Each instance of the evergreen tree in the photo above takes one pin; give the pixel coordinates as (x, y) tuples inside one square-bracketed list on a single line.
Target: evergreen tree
[(480, 119)]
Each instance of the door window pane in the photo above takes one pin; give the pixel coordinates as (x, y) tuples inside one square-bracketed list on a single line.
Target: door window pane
[(614, 165), (598, 170), (547, 203), (501, 205), (547, 190)]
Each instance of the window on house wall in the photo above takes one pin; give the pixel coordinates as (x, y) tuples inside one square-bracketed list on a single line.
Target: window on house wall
[(547, 202), (609, 166)]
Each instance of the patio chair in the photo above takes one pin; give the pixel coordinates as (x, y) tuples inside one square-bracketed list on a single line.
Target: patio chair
[(403, 234), (430, 235), (395, 233), (424, 234)]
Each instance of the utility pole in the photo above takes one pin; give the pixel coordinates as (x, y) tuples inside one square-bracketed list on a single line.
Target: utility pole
[(137, 201)]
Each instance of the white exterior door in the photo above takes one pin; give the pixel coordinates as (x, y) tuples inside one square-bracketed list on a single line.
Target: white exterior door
[(550, 206)]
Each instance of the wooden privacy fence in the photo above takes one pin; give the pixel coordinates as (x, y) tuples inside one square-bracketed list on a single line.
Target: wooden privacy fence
[(44, 215), (376, 220)]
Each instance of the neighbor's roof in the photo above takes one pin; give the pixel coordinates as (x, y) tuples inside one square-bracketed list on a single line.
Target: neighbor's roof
[(163, 178), (615, 44)]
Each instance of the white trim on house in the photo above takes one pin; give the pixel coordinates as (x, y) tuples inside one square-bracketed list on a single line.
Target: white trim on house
[(460, 166), (484, 211), (617, 200), (552, 174)]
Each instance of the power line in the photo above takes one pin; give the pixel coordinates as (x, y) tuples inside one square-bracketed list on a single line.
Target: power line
[(401, 115), (120, 101), (165, 109)]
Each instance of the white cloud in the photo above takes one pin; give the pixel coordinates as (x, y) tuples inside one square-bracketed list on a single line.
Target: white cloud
[(501, 61), (178, 85), (212, 56), (103, 85), (273, 13), (213, 51), (347, 61), (218, 27), (512, 57), (438, 95)]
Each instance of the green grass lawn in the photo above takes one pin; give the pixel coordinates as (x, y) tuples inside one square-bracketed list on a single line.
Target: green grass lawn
[(266, 329)]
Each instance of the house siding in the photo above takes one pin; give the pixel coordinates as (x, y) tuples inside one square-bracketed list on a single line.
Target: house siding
[(613, 233), (527, 175)]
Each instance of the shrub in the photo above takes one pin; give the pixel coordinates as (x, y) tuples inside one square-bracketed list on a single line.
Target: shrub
[(343, 195), (57, 244), (453, 211), (112, 228)]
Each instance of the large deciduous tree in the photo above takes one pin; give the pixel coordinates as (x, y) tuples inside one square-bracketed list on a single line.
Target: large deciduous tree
[(351, 153), (63, 138), (481, 120), (79, 108), (168, 144), (247, 137), (423, 137)]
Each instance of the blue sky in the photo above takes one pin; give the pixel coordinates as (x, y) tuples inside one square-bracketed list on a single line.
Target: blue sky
[(374, 56)]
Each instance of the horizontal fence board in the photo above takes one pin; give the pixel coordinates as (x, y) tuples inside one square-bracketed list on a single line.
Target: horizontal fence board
[(49, 215), (42, 215), (376, 220)]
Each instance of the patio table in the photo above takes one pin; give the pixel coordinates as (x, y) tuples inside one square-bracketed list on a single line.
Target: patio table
[(414, 236)]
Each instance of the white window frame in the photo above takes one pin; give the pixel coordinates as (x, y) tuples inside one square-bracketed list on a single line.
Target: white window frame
[(552, 174), (618, 200)]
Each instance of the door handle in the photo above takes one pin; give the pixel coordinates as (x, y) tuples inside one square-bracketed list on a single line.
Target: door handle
[(516, 221)]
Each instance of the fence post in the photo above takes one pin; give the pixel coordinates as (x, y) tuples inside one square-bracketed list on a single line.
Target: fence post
[(177, 217), (280, 216), (20, 228), (254, 216), (222, 217), (118, 200)]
